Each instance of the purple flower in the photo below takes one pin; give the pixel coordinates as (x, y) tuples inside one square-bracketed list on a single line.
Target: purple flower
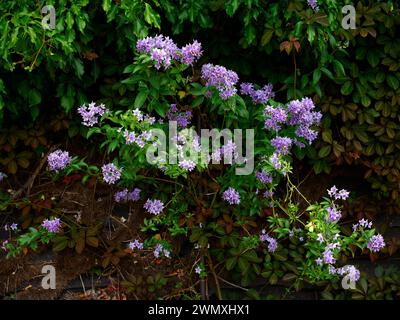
[(328, 256), (138, 114), (187, 165), (320, 238), (229, 152), (263, 177), (334, 215), (58, 160), (182, 118), (124, 195), (222, 79), (342, 194), (130, 137), (231, 196), (154, 206), (338, 194), (268, 194), (52, 225), (272, 243), (161, 50), (121, 196), (376, 243), (313, 4), (303, 116), (198, 269), (135, 244), (282, 145), (350, 271), (258, 96), (364, 223), (331, 269), (332, 191), (274, 117), (191, 53), (14, 226), (318, 261), (111, 173), (161, 250), (134, 195), (90, 114), (4, 244), (274, 160)]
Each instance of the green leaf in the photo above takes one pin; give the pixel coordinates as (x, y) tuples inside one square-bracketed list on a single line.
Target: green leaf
[(347, 88), (140, 99), (338, 67), (316, 76), (327, 72), (151, 17), (230, 263), (34, 97), (231, 7), (324, 151), (266, 37), (373, 58), (392, 81)]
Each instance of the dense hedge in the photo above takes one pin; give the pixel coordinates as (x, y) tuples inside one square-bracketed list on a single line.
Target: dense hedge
[(354, 74)]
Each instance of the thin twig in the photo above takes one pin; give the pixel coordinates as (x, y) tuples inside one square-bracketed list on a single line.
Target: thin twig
[(232, 284), (215, 276)]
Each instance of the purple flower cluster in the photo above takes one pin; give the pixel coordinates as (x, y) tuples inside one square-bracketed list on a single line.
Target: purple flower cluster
[(274, 117), (275, 162), (125, 195), (111, 174), (135, 244), (258, 96), (154, 206), (163, 51), (303, 116), (58, 160), (227, 151), (187, 165), (328, 256), (338, 194), (376, 243), (140, 140), (363, 223), (351, 271), (313, 4), (334, 214), (264, 177), (282, 145), (231, 196), (272, 243), (191, 53), (182, 118), (90, 114), (52, 225), (222, 79), (161, 250)]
